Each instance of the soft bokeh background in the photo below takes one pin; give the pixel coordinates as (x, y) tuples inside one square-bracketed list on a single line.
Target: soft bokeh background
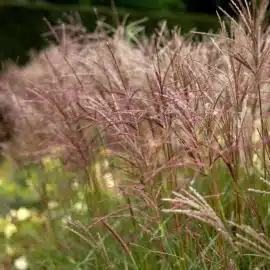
[(23, 20)]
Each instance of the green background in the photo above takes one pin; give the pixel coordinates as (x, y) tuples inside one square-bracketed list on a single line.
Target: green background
[(23, 25)]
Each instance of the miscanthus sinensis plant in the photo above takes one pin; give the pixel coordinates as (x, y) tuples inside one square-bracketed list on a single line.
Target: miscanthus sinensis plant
[(165, 114)]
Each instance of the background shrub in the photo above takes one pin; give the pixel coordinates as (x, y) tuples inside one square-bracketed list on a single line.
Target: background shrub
[(24, 25)]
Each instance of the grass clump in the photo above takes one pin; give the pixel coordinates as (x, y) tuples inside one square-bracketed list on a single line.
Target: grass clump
[(118, 123)]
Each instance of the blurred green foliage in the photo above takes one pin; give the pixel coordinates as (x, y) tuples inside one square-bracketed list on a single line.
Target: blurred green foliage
[(143, 4), (62, 227), (24, 25)]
